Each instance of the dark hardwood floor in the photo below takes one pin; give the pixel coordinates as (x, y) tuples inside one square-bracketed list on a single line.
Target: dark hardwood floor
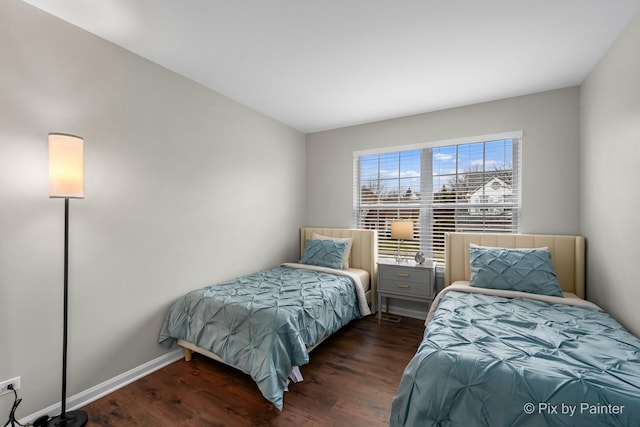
[(351, 380)]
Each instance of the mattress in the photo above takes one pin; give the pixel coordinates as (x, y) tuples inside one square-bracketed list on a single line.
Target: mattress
[(365, 278), (572, 298)]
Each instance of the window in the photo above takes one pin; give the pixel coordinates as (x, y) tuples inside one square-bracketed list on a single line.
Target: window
[(464, 185)]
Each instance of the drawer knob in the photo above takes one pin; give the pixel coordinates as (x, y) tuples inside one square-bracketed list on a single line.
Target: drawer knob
[(403, 274), (403, 286)]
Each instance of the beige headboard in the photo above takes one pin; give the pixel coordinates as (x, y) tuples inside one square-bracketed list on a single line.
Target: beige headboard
[(567, 255), (364, 252)]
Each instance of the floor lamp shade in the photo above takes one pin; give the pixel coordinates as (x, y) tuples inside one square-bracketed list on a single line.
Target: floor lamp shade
[(66, 166)]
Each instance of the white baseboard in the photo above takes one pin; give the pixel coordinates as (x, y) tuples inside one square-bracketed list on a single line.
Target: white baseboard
[(96, 392)]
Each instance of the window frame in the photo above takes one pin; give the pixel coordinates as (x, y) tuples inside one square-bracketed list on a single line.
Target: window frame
[(426, 239)]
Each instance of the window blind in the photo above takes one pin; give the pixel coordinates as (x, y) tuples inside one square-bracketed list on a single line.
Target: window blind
[(471, 185)]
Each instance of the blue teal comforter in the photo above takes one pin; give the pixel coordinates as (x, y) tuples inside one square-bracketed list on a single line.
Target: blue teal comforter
[(263, 323), (494, 361)]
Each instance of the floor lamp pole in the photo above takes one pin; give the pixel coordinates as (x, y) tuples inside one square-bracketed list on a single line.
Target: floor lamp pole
[(63, 411), (73, 418)]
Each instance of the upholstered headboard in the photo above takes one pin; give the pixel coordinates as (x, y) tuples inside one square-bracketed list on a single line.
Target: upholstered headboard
[(567, 255), (364, 252)]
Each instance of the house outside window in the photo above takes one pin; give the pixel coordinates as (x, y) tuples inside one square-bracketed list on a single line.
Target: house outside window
[(472, 184)]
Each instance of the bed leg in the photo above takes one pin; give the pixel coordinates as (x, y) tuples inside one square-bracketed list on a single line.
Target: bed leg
[(187, 355)]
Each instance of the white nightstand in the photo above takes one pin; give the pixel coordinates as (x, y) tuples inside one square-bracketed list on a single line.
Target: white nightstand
[(408, 281)]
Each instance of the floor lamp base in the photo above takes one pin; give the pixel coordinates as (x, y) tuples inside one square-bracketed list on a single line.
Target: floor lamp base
[(71, 419)]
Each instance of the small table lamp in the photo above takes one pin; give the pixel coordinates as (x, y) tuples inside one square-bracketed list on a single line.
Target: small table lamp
[(401, 230)]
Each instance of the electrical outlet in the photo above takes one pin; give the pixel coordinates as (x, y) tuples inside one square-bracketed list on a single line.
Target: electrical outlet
[(4, 385)]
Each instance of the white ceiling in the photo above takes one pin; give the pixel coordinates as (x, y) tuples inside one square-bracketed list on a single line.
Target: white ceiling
[(324, 64)]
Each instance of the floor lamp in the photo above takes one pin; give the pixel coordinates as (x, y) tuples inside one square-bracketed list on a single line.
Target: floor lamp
[(66, 180)]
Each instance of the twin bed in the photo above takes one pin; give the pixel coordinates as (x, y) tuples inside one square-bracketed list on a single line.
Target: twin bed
[(510, 341), (266, 323)]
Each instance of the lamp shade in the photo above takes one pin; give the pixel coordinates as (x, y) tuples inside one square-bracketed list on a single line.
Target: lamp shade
[(66, 166), (402, 230)]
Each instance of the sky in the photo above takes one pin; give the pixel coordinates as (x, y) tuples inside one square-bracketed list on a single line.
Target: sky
[(401, 170)]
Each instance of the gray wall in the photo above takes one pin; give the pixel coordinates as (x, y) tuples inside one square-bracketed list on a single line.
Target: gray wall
[(610, 174), (175, 175), (550, 169), (550, 162)]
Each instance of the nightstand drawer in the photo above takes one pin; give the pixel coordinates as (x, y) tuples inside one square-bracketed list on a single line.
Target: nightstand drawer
[(406, 287), (408, 275)]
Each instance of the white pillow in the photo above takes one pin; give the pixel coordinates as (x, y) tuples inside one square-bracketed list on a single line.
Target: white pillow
[(347, 252)]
